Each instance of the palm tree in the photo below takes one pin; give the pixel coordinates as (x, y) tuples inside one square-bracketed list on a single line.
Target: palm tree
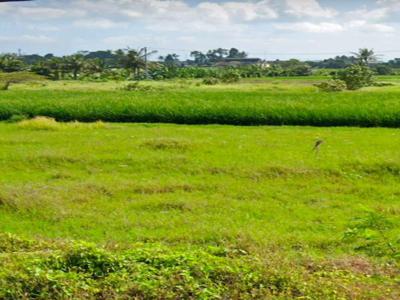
[(133, 60), (95, 65), (366, 56), (74, 64), (10, 63)]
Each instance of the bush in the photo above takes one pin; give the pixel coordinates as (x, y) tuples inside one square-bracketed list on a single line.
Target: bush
[(210, 81), (383, 70), (230, 76), (332, 86), (356, 76), (135, 87), (84, 271), (4, 85), (383, 84)]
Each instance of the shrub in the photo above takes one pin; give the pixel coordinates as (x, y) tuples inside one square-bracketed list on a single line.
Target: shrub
[(356, 76), (334, 85), (383, 70), (4, 86), (46, 123), (79, 270), (135, 87), (210, 81), (230, 76), (383, 84), (39, 123), (17, 118)]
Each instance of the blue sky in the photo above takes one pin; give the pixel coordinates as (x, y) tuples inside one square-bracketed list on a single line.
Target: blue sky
[(307, 29)]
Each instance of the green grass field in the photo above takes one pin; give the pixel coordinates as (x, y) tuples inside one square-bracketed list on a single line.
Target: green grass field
[(280, 101), (151, 210), (259, 190)]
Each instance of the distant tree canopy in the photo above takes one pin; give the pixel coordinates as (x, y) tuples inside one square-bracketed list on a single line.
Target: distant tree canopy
[(339, 62), (216, 55), (136, 64)]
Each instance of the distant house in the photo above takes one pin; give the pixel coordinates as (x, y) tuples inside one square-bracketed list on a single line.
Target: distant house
[(239, 62)]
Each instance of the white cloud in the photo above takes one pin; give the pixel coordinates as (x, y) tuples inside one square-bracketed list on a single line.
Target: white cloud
[(247, 11), (98, 24), (370, 27), (39, 39), (308, 8), (311, 27), (365, 14), (39, 13)]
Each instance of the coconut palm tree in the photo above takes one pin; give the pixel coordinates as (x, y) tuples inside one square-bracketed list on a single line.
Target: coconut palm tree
[(366, 56), (133, 60), (74, 64), (10, 63)]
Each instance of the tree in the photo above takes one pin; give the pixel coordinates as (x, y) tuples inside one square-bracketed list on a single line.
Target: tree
[(200, 58), (217, 54), (394, 63), (366, 56), (170, 60), (92, 66), (235, 53), (10, 63), (356, 76), (339, 62), (132, 60), (383, 69), (74, 64)]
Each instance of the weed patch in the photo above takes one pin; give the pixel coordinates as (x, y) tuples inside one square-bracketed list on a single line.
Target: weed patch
[(79, 270), (167, 144)]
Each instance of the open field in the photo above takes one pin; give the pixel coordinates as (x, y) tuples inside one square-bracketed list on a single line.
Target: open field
[(280, 101), (278, 211)]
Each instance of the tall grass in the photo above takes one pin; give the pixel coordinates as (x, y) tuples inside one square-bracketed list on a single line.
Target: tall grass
[(209, 106)]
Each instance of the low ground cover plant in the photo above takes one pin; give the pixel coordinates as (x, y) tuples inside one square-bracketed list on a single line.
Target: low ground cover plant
[(32, 269)]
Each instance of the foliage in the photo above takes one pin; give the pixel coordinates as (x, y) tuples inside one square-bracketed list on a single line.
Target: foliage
[(45, 123), (332, 86), (10, 63), (356, 76), (370, 233), (136, 86), (230, 76), (366, 56), (293, 67), (210, 81), (382, 69), (81, 270), (338, 62)]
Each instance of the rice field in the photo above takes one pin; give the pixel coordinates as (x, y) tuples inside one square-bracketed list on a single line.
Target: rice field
[(251, 102)]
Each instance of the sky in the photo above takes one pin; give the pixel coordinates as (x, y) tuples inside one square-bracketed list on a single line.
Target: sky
[(270, 29)]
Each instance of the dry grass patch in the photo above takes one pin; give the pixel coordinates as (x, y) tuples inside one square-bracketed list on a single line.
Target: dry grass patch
[(167, 206), (50, 124), (167, 144), (166, 189)]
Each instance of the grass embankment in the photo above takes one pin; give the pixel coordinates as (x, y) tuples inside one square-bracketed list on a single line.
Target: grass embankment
[(255, 102), (223, 211)]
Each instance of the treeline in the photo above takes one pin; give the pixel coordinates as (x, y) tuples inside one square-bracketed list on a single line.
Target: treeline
[(136, 64)]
